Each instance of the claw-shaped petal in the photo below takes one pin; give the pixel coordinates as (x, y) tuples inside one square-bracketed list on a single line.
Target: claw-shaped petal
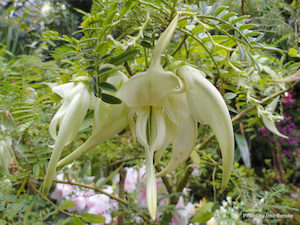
[(163, 42), (73, 116), (151, 189), (185, 135), (109, 119), (267, 117), (207, 105)]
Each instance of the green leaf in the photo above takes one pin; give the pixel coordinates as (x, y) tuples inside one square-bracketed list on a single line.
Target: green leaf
[(3, 222), (228, 15), (242, 52), (146, 44), (240, 18), (67, 205), (77, 221), (110, 99), (107, 87), (220, 9), (252, 34), (94, 86), (204, 213), (128, 5), (90, 68), (92, 218), (230, 95), (105, 70), (261, 46), (195, 157), (247, 26), (243, 148), (124, 56), (36, 170), (293, 52), (215, 6)]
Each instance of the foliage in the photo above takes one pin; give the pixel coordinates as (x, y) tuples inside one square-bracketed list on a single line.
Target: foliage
[(241, 55)]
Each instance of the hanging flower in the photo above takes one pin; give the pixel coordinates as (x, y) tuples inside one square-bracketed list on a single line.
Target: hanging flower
[(167, 108), (77, 99), (269, 119), (109, 119)]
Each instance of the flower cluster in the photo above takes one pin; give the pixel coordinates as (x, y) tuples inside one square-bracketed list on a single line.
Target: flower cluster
[(162, 107)]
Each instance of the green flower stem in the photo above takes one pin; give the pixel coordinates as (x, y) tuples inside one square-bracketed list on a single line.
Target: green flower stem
[(205, 48), (228, 24), (154, 6)]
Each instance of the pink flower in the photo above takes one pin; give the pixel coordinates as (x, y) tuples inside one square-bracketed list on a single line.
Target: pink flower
[(131, 179), (183, 212)]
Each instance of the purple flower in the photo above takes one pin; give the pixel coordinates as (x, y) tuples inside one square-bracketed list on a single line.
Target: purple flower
[(287, 153), (288, 100)]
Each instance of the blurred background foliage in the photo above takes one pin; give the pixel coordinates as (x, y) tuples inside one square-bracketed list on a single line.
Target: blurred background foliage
[(49, 42)]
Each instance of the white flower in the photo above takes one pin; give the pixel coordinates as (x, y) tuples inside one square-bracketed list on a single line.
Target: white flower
[(268, 117), (46, 9), (109, 119), (167, 107), (76, 102)]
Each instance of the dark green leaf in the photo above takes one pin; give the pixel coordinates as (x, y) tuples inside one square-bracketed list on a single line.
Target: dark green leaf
[(94, 86), (92, 218), (146, 44), (67, 205), (123, 57), (107, 87), (105, 70), (110, 99), (90, 68)]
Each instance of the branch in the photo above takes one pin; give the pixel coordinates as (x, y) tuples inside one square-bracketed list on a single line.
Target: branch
[(91, 187)]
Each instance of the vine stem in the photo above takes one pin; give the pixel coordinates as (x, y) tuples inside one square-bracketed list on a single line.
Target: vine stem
[(205, 48), (49, 201), (145, 217)]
